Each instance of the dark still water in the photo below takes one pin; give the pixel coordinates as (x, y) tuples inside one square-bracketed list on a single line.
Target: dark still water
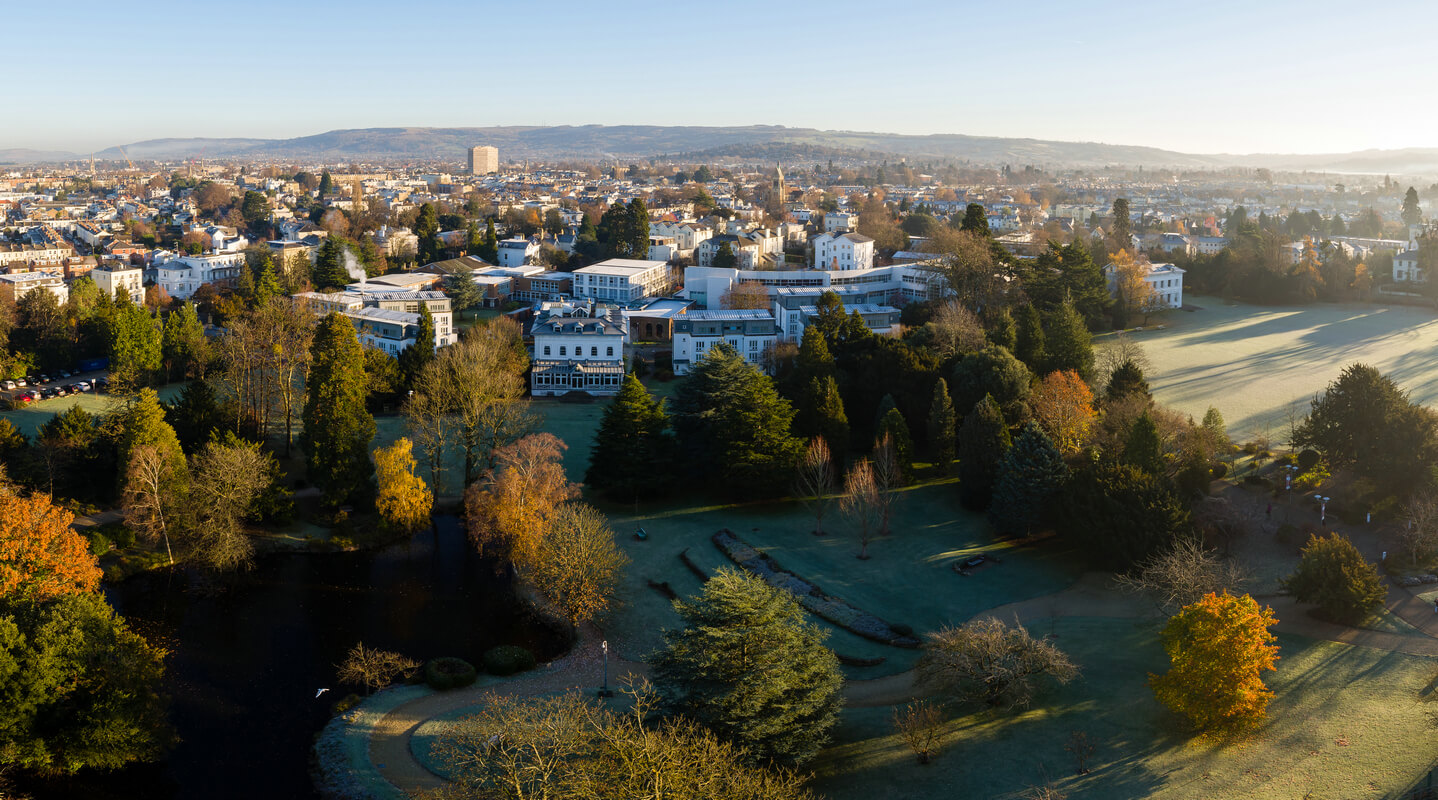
[(245, 662)]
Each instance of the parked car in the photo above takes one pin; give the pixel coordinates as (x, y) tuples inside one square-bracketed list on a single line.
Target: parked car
[(9, 385), (27, 380), (23, 397), (84, 386), (44, 378), (47, 393), (64, 373), (102, 383)]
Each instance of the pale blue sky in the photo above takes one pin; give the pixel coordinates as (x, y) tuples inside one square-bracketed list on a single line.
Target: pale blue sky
[(1218, 76)]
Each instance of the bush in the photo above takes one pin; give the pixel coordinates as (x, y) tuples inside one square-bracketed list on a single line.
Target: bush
[(99, 543), (508, 659), (349, 701), (121, 536), (1218, 471), (1335, 576), (447, 673), (1307, 459)]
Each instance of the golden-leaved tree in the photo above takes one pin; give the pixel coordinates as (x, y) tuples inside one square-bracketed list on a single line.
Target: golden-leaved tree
[(1063, 405), (41, 556), (1219, 647), (403, 498), (509, 509)]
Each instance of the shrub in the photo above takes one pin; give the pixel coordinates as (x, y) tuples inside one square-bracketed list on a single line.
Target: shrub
[(508, 659), (1307, 459), (349, 701), (122, 536), (447, 673), (1218, 471), (99, 543), (1335, 575)]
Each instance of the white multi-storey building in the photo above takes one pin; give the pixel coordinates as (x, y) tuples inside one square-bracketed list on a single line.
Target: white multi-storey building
[(687, 235), (840, 222), (577, 349), (1166, 280), (843, 251), (388, 320), (516, 252), (115, 280), (623, 280), (19, 284), (880, 285), (181, 276), (751, 332)]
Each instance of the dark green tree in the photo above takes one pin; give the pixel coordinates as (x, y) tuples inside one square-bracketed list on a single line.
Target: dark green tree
[(1366, 422), (1143, 448), (143, 424), (724, 258), (426, 228), (1126, 379), (983, 441), (941, 427), (337, 427), (413, 359), (134, 346), (733, 427), (1031, 474), (254, 208), (1120, 515), (893, 424), (975, 219), (1067, 341), (489, 249), (821, 413), (1029, 339), (1001, 330), (636, 230), (1412, 214), (329, 270), (633, 453), (267, 285), (748, 665), (195, 415), (463, 292), (327, 184), (1122, 233), (1334, 575), (996, 373), (81, 690)]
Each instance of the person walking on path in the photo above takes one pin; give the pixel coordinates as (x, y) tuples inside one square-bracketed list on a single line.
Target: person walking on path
[(1268, 512)]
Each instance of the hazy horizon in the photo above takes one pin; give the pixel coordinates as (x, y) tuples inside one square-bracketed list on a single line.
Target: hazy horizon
[(1282, 78)]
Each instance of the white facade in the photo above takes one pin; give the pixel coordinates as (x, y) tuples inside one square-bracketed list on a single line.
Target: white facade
[(483, 160), (577, 350), (751, 332), (687, 235), (622, 280), (181, 276), (1406, 269), (516, 252), (1209, 245), (1166, 280), (916, 281), (840, 222), (662, 248), (117, 281), (844, 251), (23, 283)]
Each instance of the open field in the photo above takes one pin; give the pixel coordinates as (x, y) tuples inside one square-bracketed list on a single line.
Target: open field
[(1345, 724), (31, 416), (1254, 362)]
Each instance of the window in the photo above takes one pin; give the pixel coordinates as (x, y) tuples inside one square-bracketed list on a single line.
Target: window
[(593, 351), (562, 350), (609, 351)]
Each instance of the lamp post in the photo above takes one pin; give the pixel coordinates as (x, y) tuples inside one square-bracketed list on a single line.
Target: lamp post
[(1290, 470), (604, 692), (1322, 509)]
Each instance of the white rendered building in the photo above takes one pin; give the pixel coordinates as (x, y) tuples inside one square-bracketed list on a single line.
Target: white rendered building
[(622, 280), (749, 331)]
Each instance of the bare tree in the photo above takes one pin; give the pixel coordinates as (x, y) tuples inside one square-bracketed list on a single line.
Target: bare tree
[(863, 503), (429, 423), (373, 668), (147, 506), (746, 294), (956, 330), (1419, 534), (1123, 347), (1082, 748), (986, 660), (920, 724), (1184, 573), (814, 481), (225, 480), (480, 381), (889, 476)]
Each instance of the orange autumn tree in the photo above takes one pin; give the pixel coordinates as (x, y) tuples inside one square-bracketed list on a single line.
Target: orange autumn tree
[(1063, 405), (510, 507), (41, 556), (1218, 648)]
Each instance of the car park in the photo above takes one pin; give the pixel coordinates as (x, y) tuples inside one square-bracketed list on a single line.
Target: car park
[(44, 378), (64, 373), (84, 386), (47, 393), (9, 385), (23, 381), (23, 397), (102, 383)]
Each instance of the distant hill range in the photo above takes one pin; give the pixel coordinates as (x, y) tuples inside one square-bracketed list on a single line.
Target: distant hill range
[(592, 142)]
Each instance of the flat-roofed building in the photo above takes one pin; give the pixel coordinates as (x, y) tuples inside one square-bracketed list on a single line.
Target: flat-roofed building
[(751, 332), (483, 160), (623, 280)]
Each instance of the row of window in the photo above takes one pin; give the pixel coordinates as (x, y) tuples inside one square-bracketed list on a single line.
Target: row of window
[(576, 381), (579, 351)]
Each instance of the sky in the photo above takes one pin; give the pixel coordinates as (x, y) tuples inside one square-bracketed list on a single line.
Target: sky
[(1268, 76)]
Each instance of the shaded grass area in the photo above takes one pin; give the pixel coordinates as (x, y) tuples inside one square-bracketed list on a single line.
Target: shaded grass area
[(1254, 362), (908, 580), (1345, 723)]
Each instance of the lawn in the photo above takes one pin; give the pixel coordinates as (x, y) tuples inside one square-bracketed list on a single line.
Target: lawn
[(1345, 723), (30, 417), (908, 579), (1255, 362)]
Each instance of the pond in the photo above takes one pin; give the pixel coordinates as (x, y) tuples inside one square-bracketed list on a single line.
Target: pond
[(246, 662)]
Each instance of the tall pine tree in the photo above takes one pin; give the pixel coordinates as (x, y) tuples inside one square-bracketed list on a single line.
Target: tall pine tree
[(821, 413), (1029, 339), (1030, 475), (633, 453), (338, 428), (1067, 341), (941, 427), (1143, 448), (983, 441)]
